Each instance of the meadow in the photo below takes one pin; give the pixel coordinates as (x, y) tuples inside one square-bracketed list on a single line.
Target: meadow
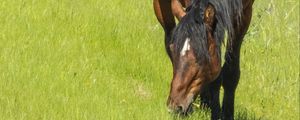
[(98, 60)]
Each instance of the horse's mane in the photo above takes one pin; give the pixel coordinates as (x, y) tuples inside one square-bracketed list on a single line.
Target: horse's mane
[(192, 26)]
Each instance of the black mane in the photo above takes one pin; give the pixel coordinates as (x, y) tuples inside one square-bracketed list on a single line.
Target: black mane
[(192, 26)]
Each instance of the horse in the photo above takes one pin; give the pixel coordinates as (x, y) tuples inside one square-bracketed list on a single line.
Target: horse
[(194, 48)]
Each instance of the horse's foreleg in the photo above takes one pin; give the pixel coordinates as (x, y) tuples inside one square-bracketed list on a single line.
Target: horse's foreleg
[(162, 9), (231, 68), (231, 75), (211, 98)]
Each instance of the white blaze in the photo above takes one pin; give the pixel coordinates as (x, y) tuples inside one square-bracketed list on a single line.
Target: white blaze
[(185, 47)]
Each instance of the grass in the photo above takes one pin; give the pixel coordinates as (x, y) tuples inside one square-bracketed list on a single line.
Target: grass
[(96, 59)]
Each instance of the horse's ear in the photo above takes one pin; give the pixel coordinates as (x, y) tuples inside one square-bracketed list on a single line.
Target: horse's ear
[(172, 50), (171, 47), (209, 15), (177, 9)]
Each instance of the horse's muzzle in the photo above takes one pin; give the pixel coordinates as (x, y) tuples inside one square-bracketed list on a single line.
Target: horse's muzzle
[(180, 109)]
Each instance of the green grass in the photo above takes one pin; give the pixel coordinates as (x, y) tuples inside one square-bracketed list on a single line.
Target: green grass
[(96, 59)]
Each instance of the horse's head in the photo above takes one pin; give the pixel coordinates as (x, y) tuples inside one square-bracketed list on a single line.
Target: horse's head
[(195, 58)]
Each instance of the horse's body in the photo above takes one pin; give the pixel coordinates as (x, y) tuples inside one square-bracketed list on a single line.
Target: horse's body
[(194, 49)]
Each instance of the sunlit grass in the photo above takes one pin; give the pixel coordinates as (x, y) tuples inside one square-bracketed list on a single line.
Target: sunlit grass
[(95, 59)]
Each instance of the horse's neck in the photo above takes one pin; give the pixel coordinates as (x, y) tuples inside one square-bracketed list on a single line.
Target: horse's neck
[(215, 61)]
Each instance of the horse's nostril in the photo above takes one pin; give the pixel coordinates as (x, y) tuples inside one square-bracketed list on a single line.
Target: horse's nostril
[(179, 108)]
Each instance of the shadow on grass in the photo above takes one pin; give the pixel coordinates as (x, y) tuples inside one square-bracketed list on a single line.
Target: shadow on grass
[(198, 113), (204, 114)]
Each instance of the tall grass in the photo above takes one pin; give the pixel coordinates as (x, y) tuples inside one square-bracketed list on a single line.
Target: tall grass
[(96, 59)]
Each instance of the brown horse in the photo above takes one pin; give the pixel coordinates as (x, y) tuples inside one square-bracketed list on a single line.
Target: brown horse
[(193, 46)]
